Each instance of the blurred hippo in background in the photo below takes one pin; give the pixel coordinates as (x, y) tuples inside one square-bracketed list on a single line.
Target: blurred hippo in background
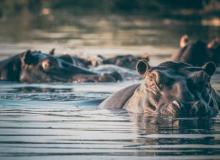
[(198, 52), (38, 67), (169, 89), (102, 65), (74, 60), (126, 61)]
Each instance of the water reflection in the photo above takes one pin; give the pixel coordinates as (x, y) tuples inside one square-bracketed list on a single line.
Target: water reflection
[(146, 124), (168, 136), (38, 126)]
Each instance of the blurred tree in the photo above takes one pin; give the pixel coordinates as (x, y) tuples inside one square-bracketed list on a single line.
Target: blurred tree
[(12, 7)]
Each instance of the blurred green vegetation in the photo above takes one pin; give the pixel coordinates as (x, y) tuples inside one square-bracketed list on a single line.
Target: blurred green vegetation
[(16, 7)]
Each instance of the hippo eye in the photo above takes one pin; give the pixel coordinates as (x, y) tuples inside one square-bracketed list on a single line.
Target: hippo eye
[(46, 65)]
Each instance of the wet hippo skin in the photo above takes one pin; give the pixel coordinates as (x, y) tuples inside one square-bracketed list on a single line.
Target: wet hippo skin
[(38, 67), (198, 52), (127, 61), (171, 89)]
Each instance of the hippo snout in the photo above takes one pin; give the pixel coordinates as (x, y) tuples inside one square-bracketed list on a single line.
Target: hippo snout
[(191, 109), (185, 109)]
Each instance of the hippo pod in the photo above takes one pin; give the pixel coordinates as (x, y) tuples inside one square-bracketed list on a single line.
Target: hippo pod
[(35, 67), (170, 89)]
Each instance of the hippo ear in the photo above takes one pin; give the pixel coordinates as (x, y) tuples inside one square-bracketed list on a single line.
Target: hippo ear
[(214, 43), (184, 40), (142, 66), (52, 52), (210, 68), (27, 57)]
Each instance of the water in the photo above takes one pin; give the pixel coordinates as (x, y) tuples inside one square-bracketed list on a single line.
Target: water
[(96, 34), (62, 121), (54, 121)]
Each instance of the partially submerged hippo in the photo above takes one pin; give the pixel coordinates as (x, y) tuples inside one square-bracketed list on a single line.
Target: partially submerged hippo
[(198, 52), (171, 88), (73, 59), (125, 61), (35, 66)]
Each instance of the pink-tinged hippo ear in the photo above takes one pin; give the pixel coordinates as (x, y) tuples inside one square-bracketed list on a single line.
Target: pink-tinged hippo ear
[(213, 43), (27, 57), (184, 40), (210, 68), (142, 66), (52, 52)]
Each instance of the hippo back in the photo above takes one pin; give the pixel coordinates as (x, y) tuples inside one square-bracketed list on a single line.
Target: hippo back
[(118, 99)]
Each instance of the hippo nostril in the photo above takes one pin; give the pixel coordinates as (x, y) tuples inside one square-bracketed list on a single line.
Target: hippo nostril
[(194, 109), (201, 109)]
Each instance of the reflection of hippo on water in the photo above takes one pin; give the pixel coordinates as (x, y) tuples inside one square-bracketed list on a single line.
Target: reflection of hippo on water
[(35, 66), (198, 53), (171, 88)]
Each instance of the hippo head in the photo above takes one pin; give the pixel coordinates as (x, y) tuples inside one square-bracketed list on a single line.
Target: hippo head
[(197, 52), (40, 67), (177, 89)]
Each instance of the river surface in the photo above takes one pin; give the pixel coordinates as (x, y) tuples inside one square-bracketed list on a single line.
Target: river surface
[(63, 121)]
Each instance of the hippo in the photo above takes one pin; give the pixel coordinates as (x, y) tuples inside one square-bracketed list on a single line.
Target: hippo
[(127, 74), (198, 52), (37, 67), (74, 60), (169, 89), (125, 61)]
